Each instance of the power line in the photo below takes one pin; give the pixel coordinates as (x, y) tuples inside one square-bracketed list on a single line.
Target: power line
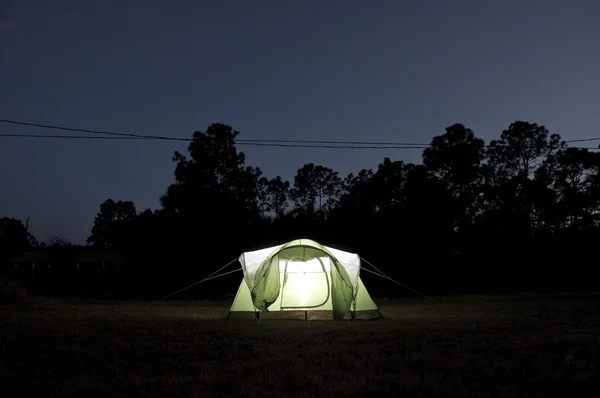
[(266, 143), (85, 137), (159, 137), (258, 144), (261, 144), (48, 126)]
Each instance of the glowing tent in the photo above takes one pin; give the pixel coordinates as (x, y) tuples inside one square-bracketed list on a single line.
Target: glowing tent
[(302, 280)]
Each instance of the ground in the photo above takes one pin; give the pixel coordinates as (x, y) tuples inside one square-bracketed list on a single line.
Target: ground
[(484, 346)]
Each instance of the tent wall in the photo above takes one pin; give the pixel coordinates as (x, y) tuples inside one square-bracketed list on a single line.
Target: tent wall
[(364, 301), (303, 280), (268, 285), (243, 308), (243, 299)]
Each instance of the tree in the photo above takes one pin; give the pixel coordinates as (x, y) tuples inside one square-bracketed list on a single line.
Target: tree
[(572, 175), (213, 191), (465, 203), (112, 224), (210, 174), (264, 206), (277, 196), (357, 194), (388, 184), (59, 241), (315, 188), (428, 208), (512, 163), (251, 190), (455, 158), (521, 148), (14, 238)]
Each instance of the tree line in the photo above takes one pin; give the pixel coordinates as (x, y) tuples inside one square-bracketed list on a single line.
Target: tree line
[(518, 213)]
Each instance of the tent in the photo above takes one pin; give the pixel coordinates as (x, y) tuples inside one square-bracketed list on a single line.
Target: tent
[(302, 279)]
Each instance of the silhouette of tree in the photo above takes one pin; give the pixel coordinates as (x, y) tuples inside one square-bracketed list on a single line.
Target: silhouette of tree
[(316, 188), (277, 197), (455, 159), (357, 195), (14, 238), (472, 216), (388, 183), (262, 196), (572, 175), (112, 225), (428, 207), (510, 172), (215, 198), (57, 240)]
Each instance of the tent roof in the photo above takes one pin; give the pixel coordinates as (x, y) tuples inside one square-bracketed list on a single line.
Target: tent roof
[(297, 242), (252, 260)]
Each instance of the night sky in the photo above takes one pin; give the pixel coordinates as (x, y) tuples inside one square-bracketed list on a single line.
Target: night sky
[(323, 70)]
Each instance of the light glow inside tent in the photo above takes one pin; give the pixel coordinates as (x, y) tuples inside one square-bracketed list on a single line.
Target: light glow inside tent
[(305, 284), (304, 279)]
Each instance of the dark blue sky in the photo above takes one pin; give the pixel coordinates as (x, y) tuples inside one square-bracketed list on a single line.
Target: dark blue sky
[(329, 70)]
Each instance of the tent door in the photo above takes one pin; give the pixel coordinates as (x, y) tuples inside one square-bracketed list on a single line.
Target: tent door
[(305, 290)]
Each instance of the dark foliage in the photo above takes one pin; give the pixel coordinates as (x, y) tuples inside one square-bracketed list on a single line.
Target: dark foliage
[(521, 213)]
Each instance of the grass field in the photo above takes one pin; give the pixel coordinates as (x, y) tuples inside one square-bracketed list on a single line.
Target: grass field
[(502, 346)]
